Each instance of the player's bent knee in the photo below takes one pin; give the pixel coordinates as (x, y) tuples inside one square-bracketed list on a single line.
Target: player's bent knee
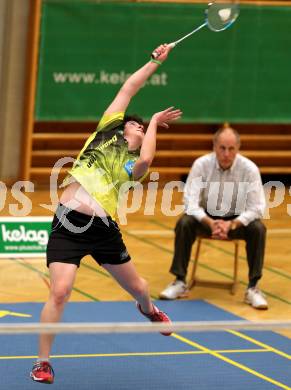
[(60, 295), (140, 287)]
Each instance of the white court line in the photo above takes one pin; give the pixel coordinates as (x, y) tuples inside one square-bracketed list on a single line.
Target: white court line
[(170, 233)]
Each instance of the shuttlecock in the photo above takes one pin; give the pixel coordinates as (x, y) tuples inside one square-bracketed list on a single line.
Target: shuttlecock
[(224, 14)]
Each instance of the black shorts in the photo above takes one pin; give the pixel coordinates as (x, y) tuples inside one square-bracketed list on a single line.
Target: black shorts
[(75, 235)]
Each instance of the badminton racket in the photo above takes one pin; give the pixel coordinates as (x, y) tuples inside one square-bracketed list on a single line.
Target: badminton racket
[(219, 15)]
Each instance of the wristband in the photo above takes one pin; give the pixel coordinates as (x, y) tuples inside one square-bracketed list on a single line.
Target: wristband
[(156, 61)]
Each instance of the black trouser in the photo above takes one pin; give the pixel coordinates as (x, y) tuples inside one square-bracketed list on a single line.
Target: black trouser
[(188, 228)]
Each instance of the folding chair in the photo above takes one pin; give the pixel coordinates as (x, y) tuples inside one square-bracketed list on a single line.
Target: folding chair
[(195, 281)]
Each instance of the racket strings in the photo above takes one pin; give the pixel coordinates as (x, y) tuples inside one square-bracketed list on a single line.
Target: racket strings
[(221, 14)]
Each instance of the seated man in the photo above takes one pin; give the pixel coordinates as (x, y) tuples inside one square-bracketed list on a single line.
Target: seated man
[(223, 199)]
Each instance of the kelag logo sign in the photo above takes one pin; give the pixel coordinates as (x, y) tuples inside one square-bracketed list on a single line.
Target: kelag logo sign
[(24, 237)]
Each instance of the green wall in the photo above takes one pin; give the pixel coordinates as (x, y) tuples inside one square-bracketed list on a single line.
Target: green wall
[(238, 75)]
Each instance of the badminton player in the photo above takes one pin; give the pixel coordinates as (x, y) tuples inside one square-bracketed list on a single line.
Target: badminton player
[(119, 151)]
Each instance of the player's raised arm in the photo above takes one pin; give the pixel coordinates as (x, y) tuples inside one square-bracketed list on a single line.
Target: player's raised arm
[(133, 84), (148, 148)]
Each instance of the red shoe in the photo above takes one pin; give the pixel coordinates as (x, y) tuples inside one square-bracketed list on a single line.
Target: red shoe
[(42, 372), (156, 316)]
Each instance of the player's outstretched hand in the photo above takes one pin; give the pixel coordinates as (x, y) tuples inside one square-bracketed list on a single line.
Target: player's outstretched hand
[(161, 52), (164, 117)]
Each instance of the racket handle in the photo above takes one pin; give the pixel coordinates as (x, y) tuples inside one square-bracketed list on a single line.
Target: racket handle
[(155, 55)]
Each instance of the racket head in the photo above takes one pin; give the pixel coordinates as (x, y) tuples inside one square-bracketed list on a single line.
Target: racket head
[(221, 14)]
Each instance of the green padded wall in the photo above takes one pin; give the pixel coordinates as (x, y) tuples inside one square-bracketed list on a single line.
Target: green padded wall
[(239, 75)]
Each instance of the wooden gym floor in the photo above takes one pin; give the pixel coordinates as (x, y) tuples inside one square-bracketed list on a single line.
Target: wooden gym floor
[(149, 239)]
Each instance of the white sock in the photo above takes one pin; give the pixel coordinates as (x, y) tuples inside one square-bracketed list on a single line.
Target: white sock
[(39, 360)]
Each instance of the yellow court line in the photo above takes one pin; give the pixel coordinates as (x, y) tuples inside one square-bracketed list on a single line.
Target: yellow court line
[(232, 362), (263, 345), (5, 313), (136, 354), (251, 350)]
